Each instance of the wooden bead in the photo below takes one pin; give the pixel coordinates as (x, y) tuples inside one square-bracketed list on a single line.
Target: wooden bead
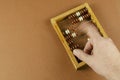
[(78, 13), (81, 18)]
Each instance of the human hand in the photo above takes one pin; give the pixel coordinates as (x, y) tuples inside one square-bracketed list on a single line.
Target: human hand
[(104, 58)]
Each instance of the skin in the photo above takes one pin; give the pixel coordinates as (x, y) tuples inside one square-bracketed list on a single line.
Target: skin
[(99, 53)]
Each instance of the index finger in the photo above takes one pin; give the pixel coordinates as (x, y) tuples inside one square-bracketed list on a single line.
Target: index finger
[(90, 29)]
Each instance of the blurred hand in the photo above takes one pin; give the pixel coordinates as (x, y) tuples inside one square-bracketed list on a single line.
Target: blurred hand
[(104, 58)]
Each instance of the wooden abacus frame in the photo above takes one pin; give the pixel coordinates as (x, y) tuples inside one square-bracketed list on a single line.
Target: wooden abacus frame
[(61, 37)]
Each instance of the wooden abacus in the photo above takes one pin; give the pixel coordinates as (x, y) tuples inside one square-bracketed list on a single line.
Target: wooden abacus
[(66, 26)]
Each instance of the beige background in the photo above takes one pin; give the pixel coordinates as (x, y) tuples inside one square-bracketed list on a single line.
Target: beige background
[(30, 48)]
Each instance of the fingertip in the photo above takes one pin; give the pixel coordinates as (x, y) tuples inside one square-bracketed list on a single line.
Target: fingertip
[(75, 52), (81, 55)]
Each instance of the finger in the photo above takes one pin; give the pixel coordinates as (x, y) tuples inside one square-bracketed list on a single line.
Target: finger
[(88, 47), (81, 55), (90, 29)]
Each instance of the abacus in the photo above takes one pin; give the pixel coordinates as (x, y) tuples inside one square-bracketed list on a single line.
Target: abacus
[(66, 26)]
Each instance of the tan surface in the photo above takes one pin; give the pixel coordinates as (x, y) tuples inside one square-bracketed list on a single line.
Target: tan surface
[(30, 48)]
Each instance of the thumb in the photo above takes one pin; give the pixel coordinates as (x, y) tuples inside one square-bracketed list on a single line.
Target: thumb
[(81, 55)]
